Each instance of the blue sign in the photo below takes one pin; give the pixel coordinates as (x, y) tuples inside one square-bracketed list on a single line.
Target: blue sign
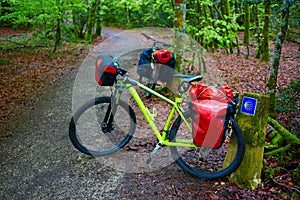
[(249, 105)]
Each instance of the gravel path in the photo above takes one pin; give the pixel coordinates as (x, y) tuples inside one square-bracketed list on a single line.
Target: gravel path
[(38, 160)]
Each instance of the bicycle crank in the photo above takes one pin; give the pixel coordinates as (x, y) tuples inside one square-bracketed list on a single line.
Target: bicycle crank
[(157, 147)]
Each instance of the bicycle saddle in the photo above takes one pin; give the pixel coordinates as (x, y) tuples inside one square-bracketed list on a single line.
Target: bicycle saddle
[(188, 78)]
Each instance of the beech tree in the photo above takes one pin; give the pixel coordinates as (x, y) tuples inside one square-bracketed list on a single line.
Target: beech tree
[(180, 28), (92, 19), (272, 83), (265, 45), (246, 39)]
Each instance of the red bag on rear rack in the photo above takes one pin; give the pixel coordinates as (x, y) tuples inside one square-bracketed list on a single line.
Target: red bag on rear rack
[(211, 114)]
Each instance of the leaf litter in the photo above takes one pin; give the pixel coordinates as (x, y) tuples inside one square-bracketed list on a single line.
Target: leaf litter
[(24, 74)]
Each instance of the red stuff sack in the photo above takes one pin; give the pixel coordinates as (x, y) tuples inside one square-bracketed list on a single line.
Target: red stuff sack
[(105, 75), (210, 107)]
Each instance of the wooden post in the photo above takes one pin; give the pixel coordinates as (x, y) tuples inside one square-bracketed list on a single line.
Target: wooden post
[(252, 117)]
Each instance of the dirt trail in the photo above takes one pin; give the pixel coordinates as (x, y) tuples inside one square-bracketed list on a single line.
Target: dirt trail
[(39, 162), (37, 159)]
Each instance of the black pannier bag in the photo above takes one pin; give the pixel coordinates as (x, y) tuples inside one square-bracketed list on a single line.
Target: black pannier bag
[(144, 68), (166, 71), (105, 74), (163, 57)]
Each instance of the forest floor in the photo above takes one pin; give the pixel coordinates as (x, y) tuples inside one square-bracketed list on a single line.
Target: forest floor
[(27, 75)]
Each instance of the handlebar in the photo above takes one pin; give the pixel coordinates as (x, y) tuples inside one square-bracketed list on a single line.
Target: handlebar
[(156, 41), (121, 71)]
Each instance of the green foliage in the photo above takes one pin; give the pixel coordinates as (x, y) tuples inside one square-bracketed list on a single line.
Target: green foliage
[(210, 26), (137, 13), (289, 97), (43, 17), (288, 101), (277, 6), (57, 21), (212, 23), (4, 61), (269, 172)]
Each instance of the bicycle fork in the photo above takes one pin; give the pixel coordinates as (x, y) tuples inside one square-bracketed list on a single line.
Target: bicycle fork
[(108, 123)]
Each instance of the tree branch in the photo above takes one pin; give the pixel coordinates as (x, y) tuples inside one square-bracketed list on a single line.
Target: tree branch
[(285, 133), (280, 150)]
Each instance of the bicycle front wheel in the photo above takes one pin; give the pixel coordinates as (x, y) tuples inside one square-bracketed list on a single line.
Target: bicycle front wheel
[(99, 127), (204, 162)]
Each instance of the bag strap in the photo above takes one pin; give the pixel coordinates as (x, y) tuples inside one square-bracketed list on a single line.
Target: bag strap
[(232, 102)]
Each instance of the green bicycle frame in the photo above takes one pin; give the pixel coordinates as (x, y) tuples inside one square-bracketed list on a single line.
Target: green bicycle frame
[(175, 108)]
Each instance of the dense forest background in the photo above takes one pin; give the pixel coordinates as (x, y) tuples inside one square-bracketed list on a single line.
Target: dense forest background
[(223, 24), (259, 26), (212, 23)]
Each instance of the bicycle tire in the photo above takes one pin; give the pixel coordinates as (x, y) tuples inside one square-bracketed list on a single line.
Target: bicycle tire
[(196, 167), (94, 141)]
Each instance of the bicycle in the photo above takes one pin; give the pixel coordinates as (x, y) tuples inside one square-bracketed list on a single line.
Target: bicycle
[(116, 121), (150, 71)]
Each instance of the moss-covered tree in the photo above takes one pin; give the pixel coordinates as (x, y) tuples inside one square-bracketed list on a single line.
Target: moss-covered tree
[(92, 20), (226, 16), (246, 20), (272, 83), (248, 175), (265, 44), (180, 28)]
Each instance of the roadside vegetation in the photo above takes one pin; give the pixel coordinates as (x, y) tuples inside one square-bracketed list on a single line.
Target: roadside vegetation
[(255, 45)]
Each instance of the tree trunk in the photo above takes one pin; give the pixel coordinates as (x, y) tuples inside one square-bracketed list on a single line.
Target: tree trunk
[(180, 26), (212, 42), (265, 44), (225, 8), (75, 22), (98, 21), (276, 57), (248, 175), (257, 31), (57, 35), (127, 14), (91, 22), (246, 40)]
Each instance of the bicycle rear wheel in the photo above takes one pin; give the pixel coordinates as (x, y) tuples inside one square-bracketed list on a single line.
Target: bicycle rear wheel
[(96, 130), (207, 162)]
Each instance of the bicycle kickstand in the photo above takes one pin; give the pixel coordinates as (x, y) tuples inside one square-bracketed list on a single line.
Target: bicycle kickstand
[(158, 146)]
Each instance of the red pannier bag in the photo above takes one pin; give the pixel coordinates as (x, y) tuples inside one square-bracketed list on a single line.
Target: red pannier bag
[(210, 108), (105, 75)]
